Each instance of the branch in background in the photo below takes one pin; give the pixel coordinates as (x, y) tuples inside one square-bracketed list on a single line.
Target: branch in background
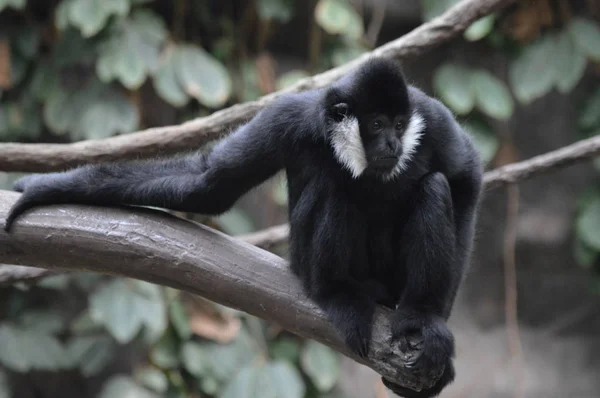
[(195, 133), (153, 246), (563, 157)]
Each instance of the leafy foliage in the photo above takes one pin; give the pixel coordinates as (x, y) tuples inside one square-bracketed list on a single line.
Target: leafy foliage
[(132, 51), (125, 306), (463, 89)]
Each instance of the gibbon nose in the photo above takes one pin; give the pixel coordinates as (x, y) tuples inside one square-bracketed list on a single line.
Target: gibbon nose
[(392, 145)]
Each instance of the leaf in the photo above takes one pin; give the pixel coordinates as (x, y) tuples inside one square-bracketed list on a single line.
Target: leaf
[(584, 255), (124, 306), (91, 353), (585, 34), (587, 224), (153, 379), (321, 364), (243, 385), (534, 72), (180, 319), (23, 350), (286, 349), (202, 76), (124, 387), (48, 321), (132, 51), (89, 16), (286, 379), (27, 41), (91, 111), (16, 4), (570, 64), (480, 28), (279, 10), (165, 354), (484, 139), (194, 359), (226, 359), (589, 117), (166, 82), (56, 282), (453, 84), (272, 380), (492, 96), (209, 385), (338, 17), (434, 8)]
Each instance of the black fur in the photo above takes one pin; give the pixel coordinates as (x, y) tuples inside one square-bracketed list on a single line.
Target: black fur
[(355, 242)]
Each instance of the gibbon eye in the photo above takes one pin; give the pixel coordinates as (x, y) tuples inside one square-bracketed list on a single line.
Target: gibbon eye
[(400, 125), (377, 125)]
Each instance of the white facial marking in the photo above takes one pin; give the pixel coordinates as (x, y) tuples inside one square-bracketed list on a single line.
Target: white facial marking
[(348, 146), (410, 142)]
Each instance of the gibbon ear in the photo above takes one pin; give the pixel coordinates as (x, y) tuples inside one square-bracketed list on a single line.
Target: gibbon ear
[(341, 109)]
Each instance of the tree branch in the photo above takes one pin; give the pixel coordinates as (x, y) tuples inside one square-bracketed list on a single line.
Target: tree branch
[(153, 246), (195, 133)]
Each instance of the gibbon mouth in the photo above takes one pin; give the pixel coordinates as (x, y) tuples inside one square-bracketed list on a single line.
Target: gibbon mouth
[(385, 162)]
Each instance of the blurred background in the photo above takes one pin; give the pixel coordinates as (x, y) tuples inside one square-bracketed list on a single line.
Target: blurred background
[(522, 81)]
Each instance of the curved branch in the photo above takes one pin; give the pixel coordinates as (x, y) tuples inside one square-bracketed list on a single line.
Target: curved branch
[(153, 246), (195, 133)]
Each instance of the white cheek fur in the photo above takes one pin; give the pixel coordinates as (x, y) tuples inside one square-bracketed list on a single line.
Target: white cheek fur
[(349, 150), (348, 147)]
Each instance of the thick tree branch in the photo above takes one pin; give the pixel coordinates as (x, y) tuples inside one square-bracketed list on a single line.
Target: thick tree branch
[(193, 134), (156, 247)]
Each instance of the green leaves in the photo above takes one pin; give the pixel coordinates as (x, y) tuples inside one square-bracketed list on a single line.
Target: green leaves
[(93, 111), (480, 28), (492, 95), (189, 71), (555, 60), (91, 353), (533, 73), (16, 4), (587, 223), (453, 84), (133, 49), (586, 36), (321, 364), (124, 386), (273, 380), (484, 139), (570, 63), (462, 89), (434, 8), (124, 306), (590, 114), (280, 10), (24, 349), (337, 17), (89, 16)]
